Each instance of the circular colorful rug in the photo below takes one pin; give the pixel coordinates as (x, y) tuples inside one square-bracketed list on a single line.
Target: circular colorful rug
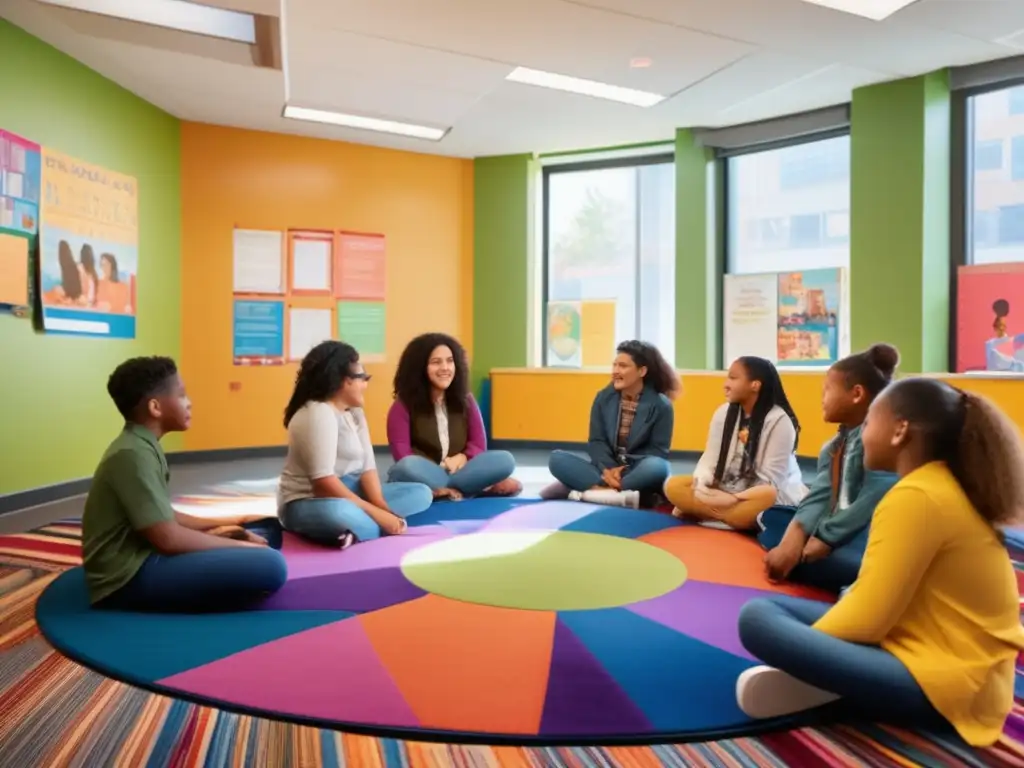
[(490, 619)]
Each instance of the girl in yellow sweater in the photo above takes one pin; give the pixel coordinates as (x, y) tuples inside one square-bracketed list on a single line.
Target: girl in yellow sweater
[(930, 630)]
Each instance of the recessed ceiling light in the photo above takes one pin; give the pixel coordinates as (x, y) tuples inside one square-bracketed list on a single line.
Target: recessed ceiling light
[(364, 123), (173, 14), (584, 87), (640, 62), (876, 10)]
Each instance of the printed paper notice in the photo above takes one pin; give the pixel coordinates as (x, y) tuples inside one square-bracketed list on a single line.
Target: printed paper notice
[(13, 270), (361, 324), (259, 261), (306, 329), (360, 270), (751, 316), (311, 265)]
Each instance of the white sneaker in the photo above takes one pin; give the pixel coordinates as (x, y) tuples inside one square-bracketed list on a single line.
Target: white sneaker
[(575, 496), (764, 692), (718, 525), (608, 497)]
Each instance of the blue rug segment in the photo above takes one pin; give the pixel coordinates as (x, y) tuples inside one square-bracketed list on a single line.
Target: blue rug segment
[(155, 646), (625, 523), (444, 512), (691, 683)]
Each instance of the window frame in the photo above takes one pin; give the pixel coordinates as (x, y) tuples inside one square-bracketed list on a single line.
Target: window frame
[(637, 161), (961, 191), (723, 156)]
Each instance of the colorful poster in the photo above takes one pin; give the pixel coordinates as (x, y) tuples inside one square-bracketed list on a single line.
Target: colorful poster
[(564, 335), (258, 332), (88, 249), (808, 319), (597, 333), (750, 316), (362, 324), (20, 182), (990, 318), (360, 267)]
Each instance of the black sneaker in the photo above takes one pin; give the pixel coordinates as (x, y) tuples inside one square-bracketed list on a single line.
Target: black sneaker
[(347, 540)]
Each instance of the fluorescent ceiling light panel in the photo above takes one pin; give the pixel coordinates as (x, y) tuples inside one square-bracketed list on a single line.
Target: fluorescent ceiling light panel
[(876, 10), (584, 87), (364, 123), (172, 14)]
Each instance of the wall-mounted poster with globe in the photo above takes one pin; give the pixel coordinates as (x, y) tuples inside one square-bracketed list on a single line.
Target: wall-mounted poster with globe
[(564, 348)]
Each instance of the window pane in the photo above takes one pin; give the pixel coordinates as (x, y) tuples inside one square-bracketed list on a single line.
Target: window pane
[(611, 236), (997, 176), (789, 208)]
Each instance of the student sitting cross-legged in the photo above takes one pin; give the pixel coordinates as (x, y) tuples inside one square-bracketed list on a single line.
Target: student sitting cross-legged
[(749, 463), (630, 437), (329, 491), (929, 633), (821, 543), (138, 553), (435, 430)]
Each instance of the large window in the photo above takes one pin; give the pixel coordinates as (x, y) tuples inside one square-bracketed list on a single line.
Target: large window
[(789, 208), (996, 176), (609, 246)]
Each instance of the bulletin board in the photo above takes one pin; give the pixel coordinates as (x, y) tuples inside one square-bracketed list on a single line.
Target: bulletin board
[(297, 288)]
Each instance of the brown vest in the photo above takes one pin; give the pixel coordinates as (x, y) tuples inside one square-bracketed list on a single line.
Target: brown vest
[(427, 443)]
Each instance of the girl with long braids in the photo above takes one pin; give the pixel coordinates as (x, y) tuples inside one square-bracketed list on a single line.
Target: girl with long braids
[(749, 463), (329, 490), (929, 633)]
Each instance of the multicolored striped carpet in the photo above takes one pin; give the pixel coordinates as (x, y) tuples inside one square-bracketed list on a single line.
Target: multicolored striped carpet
[(55, 713)]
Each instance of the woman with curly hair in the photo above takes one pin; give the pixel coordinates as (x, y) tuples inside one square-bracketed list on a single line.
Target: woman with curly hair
[(631, 424), (329, 490), (435, 430)]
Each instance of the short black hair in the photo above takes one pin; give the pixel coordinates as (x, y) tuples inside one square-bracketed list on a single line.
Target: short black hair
[(139, 379)]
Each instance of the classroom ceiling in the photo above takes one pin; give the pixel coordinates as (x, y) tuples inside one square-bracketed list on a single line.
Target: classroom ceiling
[(443, 63)]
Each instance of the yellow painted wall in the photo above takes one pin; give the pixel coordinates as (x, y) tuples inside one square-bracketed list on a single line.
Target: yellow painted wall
[(548, 405), (232, 178)]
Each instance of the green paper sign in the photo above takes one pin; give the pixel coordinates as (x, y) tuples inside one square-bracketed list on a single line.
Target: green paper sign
[(361, 324)]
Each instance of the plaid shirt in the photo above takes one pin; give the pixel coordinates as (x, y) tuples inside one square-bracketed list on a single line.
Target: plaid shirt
[(627, 412)]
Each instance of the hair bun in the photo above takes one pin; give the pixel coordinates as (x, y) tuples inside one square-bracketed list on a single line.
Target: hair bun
[(885, 357)]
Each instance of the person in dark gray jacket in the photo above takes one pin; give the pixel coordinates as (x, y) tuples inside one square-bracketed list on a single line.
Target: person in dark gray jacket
[(630, 435)]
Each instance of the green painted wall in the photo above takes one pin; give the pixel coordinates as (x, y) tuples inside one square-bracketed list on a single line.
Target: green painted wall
[(899, 219), (698, 263), (501, 232), (56, 415)]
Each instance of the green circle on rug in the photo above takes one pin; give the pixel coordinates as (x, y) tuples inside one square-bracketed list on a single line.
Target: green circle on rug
[(544, 570)]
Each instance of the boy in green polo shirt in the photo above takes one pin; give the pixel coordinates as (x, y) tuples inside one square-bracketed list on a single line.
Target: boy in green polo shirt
[(139, 554)]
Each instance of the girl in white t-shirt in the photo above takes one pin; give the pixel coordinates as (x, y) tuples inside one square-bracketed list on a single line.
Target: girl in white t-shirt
[(329, 490)]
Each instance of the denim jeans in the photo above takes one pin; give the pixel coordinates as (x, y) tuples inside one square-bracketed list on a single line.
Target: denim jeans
[(579, 473), (326, 520), (832, 573), (480, 472), (872, 682), (227, 579)]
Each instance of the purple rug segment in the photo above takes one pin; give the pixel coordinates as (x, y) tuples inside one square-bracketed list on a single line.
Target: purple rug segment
[(703, 611), (462, 527), (358, 591), (307, 560), (582, 698), (545, 516)]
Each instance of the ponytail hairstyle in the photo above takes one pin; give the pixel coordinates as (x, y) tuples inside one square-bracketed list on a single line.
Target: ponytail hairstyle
[(975, 439), (321, 374), (871, 369), (771, 394)]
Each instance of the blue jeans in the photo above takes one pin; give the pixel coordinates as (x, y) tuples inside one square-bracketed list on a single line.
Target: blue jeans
[(872, 682), (579, 473), (480, 472), (326, 520), (834, 572), (228, 579)]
